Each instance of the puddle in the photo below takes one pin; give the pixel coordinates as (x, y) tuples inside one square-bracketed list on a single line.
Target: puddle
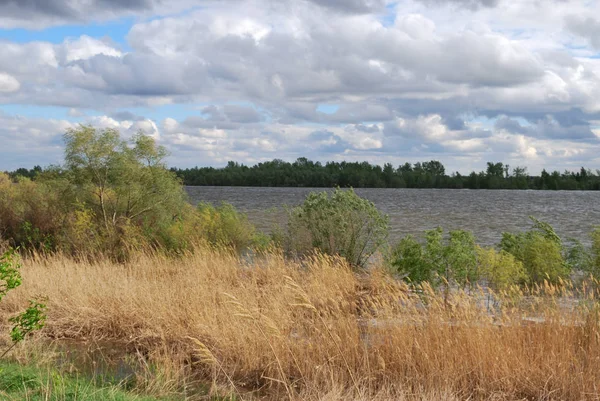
[(104, 362)]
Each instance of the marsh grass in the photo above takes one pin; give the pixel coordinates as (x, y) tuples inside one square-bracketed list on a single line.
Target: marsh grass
[(30, 383), (316, 330)]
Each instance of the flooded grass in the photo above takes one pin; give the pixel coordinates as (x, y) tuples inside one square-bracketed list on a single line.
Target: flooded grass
[(28, 383)]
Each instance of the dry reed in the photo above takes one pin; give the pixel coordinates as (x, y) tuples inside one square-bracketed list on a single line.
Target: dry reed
[(315, 330)]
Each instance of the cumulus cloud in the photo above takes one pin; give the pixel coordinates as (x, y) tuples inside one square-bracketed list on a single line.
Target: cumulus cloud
[(30, 140), (35, 14), (470, 4), (586, 27), (257, 79), (547, 127), (8, 83)]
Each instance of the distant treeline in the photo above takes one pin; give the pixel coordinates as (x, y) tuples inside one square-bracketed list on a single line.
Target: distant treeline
[(429, 174)]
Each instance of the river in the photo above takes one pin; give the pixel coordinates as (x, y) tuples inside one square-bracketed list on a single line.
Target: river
[(487, 213)]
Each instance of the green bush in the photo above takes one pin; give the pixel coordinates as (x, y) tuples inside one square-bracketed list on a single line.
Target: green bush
[(410, 259), (541, 252), (594, 265), (31, 319), (501, 269), (338, 224), (225, 226), (439, 260), (31, 216), (110, 197)]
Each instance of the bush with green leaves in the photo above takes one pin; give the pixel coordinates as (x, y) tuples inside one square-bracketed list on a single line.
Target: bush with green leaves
[(109, 197), (32, 318), (541, 251), (500, 269), (224, 225), (439, 260), (340, 223)]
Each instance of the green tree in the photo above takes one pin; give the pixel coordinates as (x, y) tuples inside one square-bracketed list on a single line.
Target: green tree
[(591, 259), (338, 224), (409, 259), (500, 268), (540, 250), (125, 185), (440, 260)]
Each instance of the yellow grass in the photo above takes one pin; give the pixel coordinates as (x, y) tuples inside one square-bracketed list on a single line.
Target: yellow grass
[(280, 330)]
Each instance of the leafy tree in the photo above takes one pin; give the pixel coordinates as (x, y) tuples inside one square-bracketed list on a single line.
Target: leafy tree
[(109, 197), (409, 258), (225, 226), (439, 260), (501, 269), (338, 224), (124, 182), (126, 186), (541, 252), (591, 259)]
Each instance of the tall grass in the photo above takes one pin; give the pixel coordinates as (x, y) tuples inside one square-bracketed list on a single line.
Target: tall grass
[(315, 330)]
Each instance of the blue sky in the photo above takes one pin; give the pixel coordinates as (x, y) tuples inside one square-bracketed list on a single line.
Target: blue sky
[(460, 81)]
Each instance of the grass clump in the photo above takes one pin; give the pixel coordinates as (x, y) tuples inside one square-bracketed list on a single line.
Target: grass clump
[(29, 383)]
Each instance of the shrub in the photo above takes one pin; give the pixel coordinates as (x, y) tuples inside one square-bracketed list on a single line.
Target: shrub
[(109, 197), (338, 224), (541, 252), (410, 259), (500, 268), (33, 317), (438, 260), (225, 226), (31, 216), (594, 264)]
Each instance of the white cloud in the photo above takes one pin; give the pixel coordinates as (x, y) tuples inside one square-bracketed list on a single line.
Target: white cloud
[(453, 80), (85, 48), (8, 83)]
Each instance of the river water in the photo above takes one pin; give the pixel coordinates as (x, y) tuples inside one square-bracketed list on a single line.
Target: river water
[(487, 213)]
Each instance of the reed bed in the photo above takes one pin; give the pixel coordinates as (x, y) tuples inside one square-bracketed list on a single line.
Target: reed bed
[(277, 329)]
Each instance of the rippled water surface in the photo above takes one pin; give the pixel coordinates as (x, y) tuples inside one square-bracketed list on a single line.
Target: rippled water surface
[(486, 213)]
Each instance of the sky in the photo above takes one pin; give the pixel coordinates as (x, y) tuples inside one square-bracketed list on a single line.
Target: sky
[(460, 81)]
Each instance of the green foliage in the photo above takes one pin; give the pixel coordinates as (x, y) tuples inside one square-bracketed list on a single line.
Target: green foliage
[(31, 319), (596, 252), (19, 383), (439, 260), (10, 277), (127, 188), (426, 174), (338, 224), (579, 257), (225, 226), (34, 317), (541, 252), (587, 260), (410, 259), (500, 268), (31, 216), (110, 197)]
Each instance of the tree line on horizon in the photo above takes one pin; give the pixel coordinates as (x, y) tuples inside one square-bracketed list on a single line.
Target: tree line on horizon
[(429, 174)]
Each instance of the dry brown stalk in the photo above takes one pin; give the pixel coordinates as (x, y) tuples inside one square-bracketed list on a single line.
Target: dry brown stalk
[(315, 330)]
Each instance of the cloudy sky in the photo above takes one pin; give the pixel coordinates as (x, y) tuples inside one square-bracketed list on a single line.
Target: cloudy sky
[(460, 81)]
